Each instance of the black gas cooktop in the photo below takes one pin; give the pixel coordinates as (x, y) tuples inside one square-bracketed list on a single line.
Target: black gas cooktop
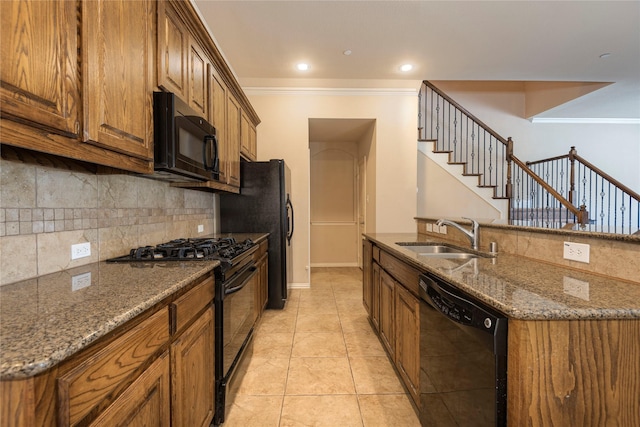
[(196, 249)]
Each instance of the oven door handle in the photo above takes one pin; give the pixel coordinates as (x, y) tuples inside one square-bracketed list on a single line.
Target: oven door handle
[(243, 278)]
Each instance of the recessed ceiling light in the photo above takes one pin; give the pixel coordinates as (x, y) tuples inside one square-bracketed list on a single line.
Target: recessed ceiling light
[(302, 66), (406, 67), (347, 52)]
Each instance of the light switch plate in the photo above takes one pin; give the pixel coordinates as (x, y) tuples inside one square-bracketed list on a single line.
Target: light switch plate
[(200, 228)]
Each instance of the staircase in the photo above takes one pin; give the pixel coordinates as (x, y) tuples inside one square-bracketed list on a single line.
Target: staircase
[(561, 192)]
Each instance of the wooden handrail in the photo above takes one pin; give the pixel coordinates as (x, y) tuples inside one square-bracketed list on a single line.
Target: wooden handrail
[(576, 211), (463, 110), (550, 159), (607, 177)]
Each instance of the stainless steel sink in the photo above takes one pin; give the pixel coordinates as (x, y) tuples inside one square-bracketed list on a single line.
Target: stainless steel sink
[(437, 250)]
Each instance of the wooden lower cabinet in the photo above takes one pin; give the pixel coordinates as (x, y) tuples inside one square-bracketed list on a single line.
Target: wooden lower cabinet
[(145, 403), (375, 296), (192, 374), (387, 311), (155, 370), (407, 356), (367, 284), (262, 288)]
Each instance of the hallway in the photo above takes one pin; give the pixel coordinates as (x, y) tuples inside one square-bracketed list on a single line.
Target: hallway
[(318, 363)]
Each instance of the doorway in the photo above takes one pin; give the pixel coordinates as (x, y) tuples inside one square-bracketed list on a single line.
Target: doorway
[(339, 149)]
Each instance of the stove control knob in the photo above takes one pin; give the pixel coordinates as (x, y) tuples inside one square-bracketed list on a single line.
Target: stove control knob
[(487, 323)]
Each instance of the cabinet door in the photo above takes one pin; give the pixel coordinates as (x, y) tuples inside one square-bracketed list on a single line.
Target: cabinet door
[(173, 51), (253, 142), (218, 118), (407, 319), (375, 296), (245, 136), (192, 370), (118, 63), (367, 286), (39, 72), (145, 402), (198, 73), (387, 311), (233, 136)]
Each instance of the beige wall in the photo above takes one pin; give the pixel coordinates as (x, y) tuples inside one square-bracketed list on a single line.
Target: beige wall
[(284, 134), (442, 195)]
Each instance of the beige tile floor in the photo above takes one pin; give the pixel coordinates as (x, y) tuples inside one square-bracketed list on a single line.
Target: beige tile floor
[(318, 363)]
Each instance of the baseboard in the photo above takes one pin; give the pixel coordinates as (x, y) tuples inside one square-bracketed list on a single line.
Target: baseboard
[(335, 264), (299, 286)]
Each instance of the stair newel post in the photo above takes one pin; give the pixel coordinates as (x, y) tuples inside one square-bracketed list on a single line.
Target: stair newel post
[(572, 179), (583, 215), (509, 185)]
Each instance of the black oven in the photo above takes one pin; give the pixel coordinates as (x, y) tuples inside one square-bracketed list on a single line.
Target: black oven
[(185, 144), (463, 358), (234, 322)]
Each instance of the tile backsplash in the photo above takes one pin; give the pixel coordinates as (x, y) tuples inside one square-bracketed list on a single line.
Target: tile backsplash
[(45, 207)]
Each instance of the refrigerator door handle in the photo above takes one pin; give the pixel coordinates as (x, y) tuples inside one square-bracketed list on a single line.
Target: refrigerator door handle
[(290, 221)]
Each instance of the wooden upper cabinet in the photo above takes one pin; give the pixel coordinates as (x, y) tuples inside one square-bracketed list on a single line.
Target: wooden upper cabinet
[(218, 118), (248, 138), (118, 64), (198, 73), (173, 51), (39, 72), (234, 113)]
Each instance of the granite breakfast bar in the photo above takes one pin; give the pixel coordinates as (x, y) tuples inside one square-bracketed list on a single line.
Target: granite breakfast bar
[(573, 339)]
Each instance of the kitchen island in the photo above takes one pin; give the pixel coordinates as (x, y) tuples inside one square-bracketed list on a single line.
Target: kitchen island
[(573, 336), (76, 344)]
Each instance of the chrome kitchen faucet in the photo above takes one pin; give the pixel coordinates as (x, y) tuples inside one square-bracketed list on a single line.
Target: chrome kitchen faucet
[(471, 234)]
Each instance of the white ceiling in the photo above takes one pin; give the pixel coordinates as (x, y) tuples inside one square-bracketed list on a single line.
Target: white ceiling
[(444, 40)]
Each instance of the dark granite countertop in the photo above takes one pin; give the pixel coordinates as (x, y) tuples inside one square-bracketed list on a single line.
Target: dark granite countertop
[(47, 319), (523, 288)]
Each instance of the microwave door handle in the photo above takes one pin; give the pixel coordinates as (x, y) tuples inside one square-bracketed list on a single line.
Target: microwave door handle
[(209, 139), (216, 161)]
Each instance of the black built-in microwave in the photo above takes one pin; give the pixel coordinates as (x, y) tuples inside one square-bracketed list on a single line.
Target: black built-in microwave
[(185, 144)]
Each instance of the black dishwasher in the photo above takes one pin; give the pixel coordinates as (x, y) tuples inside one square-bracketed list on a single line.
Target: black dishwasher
[(463, 358)]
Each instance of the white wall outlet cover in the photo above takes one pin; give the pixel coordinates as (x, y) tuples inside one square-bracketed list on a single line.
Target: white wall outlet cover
[(200, 228), (429, 227), (80, 250), (576, 252), (443, 229)]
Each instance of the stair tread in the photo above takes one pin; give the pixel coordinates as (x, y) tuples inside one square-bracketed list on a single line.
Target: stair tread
[(457, 163), (487, 186), (440, 151), (471, 174), (427, 140)]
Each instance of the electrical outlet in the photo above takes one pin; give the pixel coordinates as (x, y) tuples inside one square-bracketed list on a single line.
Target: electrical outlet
[(80, 281), (576, 252), (429, 227), (443, 229), (81, 250), (200, 228)]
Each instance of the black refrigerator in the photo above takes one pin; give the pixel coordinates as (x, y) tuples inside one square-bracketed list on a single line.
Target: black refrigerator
[(264, 205)]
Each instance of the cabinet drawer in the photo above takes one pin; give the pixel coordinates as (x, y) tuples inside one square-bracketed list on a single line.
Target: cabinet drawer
[(401, 271), (190, 304), (86, 386), (376, 253)]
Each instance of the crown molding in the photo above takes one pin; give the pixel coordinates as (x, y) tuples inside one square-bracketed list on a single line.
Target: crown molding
[(330, 91), (611, 121)]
